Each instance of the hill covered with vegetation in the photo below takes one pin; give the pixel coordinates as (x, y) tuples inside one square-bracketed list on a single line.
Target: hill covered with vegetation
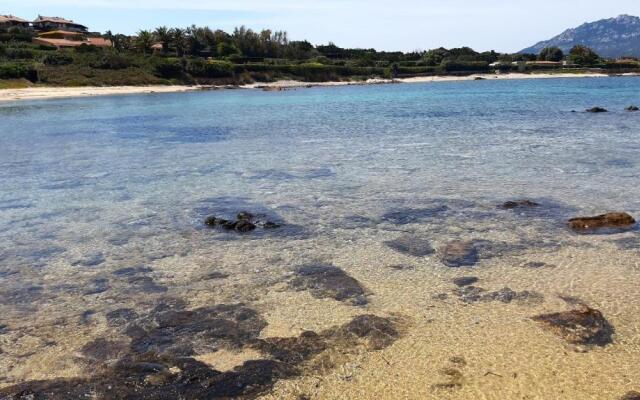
[(613, 37), (200, 55)]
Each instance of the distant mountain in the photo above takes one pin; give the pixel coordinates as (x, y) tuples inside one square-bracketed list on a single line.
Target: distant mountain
[(613, 38)]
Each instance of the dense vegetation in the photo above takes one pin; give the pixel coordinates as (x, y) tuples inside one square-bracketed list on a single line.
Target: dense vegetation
[(204, 56)]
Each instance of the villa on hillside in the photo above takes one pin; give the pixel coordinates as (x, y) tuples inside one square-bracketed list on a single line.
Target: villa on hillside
[(66, 39), (57, 23), (8, 21)]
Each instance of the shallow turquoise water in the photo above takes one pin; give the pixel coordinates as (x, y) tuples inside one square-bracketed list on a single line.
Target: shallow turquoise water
[(98, 163), (93, 185)]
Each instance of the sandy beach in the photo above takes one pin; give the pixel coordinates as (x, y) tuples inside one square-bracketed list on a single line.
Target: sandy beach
[(43, 93)]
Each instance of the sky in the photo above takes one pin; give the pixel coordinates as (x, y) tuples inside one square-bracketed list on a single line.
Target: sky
[(406, 25)]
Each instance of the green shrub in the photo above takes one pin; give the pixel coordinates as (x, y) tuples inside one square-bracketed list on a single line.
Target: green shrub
[(19, 54), (57, 59), (17, 71), (88, 48), (209, 69), (169, 68), (112, 61), (468, 66)]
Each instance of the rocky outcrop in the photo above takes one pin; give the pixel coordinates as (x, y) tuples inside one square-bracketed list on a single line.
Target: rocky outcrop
[(510, 205), (597, 110), (460, 253), (615, 221), (328, 281), (245, 222), (582, 326), (411, 245)]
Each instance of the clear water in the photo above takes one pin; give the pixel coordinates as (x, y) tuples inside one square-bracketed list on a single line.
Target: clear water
[(90, 186)]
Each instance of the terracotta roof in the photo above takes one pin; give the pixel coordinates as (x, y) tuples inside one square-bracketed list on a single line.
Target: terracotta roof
[(99, 42), (56, 20), (11, 18), (60, 33)]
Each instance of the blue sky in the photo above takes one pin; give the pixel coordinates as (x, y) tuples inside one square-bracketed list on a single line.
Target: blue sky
[(503, 25)]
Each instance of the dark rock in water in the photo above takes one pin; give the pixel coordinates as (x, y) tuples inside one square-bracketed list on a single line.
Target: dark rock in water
[(632, 108), (460, 254), (90, 260), (597, 110), (130, 271), (97, 286), (103, 350), (535, 265), (473, 294), (146, 284), (244, 226), (401, 267), (121, 316), (163, 377), (369, 331), (245, 216), (469, 294), (632, 395), (413, 215), (465, 281), (215, 276), (327, 281), (216, 222), (187, 332), (411, 245), (244, 223), (617, 221), (582, 326), (510, 205), (378, 332), (506, 295), (156, 377)]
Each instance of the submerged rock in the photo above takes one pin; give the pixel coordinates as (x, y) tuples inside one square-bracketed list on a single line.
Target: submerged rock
[(582, 326), (632, 108), (187, 332), (459, 254), (412, 215), (369, 331), (411, 245), (465, 281), (473, 294), (506, 295), (632, 395), (244, 226), (328, 281), (597, 110), (510, 205), (151, 375), (245, 222), (613, 221)]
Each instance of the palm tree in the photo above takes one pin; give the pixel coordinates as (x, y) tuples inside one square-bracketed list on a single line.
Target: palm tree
[(144, 41), (179, 38), (164, 36)]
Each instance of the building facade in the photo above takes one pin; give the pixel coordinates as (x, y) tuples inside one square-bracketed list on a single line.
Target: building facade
[(45, 24)]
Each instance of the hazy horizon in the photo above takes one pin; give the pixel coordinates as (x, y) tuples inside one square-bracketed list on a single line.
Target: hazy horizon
[(405, 26)]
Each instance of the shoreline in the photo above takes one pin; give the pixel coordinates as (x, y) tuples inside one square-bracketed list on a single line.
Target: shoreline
[(45, 93)]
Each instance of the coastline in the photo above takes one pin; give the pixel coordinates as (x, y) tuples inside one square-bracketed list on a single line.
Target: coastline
[(45, 93)]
